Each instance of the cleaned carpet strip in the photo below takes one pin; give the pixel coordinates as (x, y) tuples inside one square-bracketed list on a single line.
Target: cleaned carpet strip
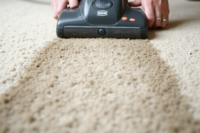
[(96, 85)]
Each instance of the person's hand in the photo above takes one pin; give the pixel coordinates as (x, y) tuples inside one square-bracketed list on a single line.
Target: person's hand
[(156, 11), (59, 5)]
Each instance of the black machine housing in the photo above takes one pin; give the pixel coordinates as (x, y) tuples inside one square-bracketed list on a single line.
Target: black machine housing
[(102, 18)]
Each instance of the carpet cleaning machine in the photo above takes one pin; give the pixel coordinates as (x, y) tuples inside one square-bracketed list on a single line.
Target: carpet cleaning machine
[(102, 18)]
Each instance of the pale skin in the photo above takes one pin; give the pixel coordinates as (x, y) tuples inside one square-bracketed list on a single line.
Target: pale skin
[(153, 10)]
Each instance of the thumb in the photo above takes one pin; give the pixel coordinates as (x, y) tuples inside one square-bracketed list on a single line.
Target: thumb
[(73, 3), (135, 3)]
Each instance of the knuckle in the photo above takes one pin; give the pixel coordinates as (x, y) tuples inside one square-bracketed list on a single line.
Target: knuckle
[(151, 18), (54, 16), (150, 2), (58, 12), (168, 11), (160, 6)]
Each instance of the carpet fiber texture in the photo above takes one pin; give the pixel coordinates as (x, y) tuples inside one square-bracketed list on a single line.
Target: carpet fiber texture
[(78, 85)]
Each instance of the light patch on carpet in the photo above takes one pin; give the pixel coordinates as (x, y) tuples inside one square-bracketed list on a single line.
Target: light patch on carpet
[(96, 85)]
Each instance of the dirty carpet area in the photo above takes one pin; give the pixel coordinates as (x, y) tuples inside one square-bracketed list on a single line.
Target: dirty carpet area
[(96, 85)]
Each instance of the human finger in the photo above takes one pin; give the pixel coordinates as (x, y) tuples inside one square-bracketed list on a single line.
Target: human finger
[(165, 15), (149, 12), (54, 5), (60, 6), (73, 3), (168, 11), (135, 3), (158, 13)]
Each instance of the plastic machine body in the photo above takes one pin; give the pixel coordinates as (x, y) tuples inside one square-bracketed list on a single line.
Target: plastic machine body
[(102, 18)]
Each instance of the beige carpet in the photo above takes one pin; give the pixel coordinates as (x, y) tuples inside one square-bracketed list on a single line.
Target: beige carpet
[(48, 84)]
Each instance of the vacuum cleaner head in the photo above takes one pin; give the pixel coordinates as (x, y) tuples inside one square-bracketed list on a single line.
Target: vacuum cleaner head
[(102, 18)]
